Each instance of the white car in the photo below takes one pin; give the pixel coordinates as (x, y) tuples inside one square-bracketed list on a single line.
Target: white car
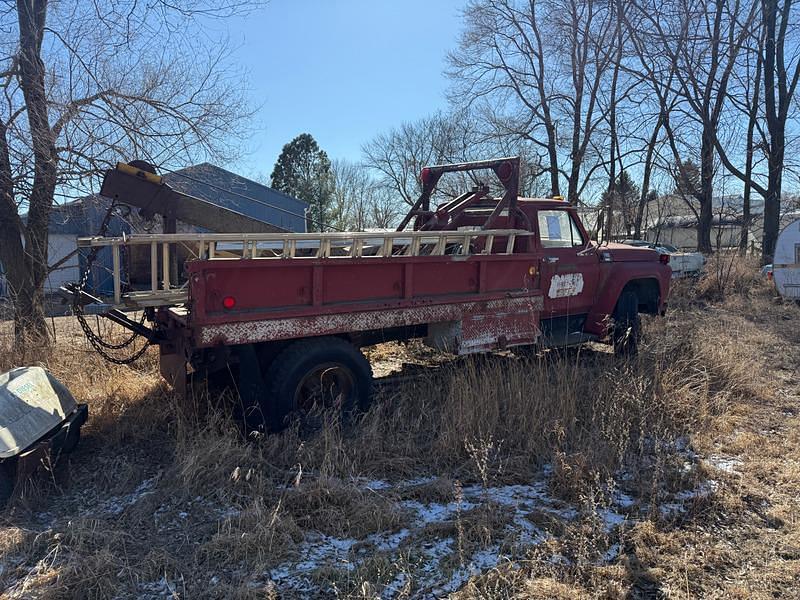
[(683, 263)]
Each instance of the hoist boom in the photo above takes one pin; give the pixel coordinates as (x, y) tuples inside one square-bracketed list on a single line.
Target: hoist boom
[(135, 185)]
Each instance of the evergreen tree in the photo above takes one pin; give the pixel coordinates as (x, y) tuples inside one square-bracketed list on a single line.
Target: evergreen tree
[(687, 179), (303, 170), (623, 199)]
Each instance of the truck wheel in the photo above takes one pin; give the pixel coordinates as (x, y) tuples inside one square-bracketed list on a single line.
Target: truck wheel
[(627, 325), (314, 374)]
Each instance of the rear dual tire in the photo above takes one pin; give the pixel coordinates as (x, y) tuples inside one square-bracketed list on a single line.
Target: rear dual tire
[(314, 376)]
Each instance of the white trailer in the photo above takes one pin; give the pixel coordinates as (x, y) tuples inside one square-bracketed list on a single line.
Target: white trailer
[(786, 264)]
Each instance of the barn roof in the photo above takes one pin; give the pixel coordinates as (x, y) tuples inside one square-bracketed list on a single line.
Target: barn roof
[(234, 192)]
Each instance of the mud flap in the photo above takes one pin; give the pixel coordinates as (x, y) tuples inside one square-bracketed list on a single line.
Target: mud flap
[(173, 369)]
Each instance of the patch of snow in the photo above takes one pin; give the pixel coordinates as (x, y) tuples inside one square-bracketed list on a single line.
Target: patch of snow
[(387, 542), (162, 588), (378, 485), (509, 495), (320, 549), (527, 533), (623, 500), (478, 563), (430, 558), (229, 513), (559, 559), (433, 551), (727, 464), (670, 508), (117, 504), (435, 512), (316, 551), (395, 586), (612, 553), (682, 443), (702, 490), (610, 518), (417, 481), (681, 499)]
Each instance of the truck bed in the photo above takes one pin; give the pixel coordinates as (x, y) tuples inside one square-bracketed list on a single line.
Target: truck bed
[(240, 302)]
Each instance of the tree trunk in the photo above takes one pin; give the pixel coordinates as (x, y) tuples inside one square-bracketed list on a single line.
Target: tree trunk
[(706, 195), (613, 192), (648, 169), (748, 172), (28, 317), (552, 152), (772, 204), (776, 115), (28, 281)]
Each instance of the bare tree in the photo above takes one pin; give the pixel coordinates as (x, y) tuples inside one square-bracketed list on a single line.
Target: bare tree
[(748, 102), (542, 62), (779, 66), (399, 155), (85, 84), (383, 210), (354, 196), (699, 43)]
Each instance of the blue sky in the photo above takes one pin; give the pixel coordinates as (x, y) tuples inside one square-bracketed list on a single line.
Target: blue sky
[(341, 70)]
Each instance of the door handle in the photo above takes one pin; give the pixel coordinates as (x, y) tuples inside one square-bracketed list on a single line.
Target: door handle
[(550, 260)]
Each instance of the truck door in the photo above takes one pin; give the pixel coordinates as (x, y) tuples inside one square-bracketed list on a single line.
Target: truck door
[(569, 268)]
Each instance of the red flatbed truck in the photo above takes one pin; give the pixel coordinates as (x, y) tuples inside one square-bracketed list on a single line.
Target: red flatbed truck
[(290, 312)]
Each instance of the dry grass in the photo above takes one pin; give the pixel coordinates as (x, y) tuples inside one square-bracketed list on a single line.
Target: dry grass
[(164, 498)]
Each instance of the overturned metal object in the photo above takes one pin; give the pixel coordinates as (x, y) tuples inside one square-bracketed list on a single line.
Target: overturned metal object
[(39, 421)]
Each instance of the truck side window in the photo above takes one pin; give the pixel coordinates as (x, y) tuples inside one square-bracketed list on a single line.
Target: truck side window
[(557, 229)]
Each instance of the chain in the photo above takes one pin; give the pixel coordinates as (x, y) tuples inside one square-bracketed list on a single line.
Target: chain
[(99, 344)]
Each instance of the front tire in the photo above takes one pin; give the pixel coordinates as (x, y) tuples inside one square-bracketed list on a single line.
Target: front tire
[(627, 325), (316, 374)]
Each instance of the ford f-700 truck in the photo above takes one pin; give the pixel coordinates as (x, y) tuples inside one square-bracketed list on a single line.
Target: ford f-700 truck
[(290, 312)]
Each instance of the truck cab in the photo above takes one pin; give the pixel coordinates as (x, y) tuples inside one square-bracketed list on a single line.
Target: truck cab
[(586, 287)]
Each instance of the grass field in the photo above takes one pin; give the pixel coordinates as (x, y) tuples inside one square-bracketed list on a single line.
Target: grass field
[(561, 475)]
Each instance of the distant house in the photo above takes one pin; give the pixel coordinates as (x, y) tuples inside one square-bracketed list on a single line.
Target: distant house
[(681, 231), (70, 221), (673, 219), (83, 217)]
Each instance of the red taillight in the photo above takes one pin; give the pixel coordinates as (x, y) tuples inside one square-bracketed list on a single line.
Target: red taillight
[(664, 259), (229, 302)]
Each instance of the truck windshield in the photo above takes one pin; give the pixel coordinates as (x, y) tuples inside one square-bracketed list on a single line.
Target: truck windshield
[(558, 229)]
